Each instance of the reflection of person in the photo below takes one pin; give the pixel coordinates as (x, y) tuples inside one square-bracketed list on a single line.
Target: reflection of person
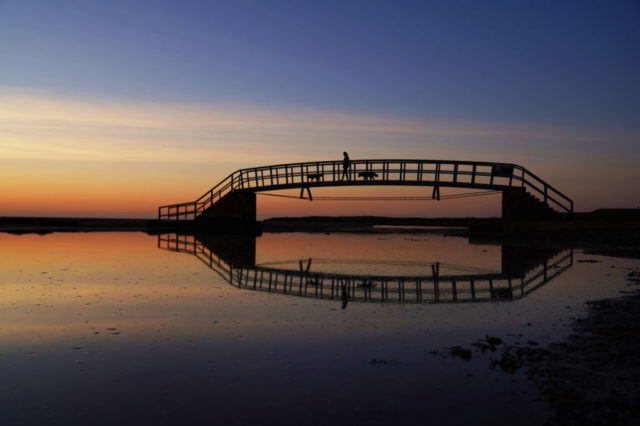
[(345, 294), (346, 164)]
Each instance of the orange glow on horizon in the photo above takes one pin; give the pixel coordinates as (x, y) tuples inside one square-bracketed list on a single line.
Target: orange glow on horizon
[(482, 206), (68, 156), (68, 286), (413, 254)]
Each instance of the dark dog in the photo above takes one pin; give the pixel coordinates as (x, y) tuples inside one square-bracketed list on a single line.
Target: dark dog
[(368, 175), (367, 284), (315, 176)]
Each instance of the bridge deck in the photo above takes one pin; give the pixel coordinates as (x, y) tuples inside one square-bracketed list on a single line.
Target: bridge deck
[(434, 173)]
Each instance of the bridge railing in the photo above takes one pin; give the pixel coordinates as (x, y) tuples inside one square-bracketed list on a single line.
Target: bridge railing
[(550, 195), (435, 173)]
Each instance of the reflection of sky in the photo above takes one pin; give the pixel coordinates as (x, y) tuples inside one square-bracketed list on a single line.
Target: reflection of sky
[(67, 287), (118, 108), (366, 254), (112, 324)]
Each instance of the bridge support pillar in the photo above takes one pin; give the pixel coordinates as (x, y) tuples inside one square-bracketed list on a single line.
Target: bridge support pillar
[(518, 259), (236, 251), (302, 188), (436, 193), (234, 211)]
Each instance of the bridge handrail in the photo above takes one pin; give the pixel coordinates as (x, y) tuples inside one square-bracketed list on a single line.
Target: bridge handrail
[(549, 187), (298, 175)]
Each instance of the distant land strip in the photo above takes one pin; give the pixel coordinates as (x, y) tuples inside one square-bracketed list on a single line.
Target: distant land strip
[(611, 226)]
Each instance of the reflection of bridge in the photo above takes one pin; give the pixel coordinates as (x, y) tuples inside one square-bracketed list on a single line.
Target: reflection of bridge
[(240, 271), (524, 195)]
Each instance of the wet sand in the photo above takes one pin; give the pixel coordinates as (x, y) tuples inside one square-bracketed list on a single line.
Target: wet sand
[(590, 378), (122, 323)]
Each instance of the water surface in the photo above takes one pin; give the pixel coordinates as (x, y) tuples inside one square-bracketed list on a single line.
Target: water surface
[(295, 328)]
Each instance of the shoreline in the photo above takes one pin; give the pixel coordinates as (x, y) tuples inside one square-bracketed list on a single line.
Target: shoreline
[(613, 226), (590, 378)]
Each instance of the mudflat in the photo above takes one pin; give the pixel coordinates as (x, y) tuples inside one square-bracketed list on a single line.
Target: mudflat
[(590, 378)]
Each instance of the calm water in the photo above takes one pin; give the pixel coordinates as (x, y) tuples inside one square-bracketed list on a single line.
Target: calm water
[(107, 328)]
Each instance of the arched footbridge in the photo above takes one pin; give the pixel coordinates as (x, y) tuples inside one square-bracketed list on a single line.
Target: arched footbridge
[(524, 195)]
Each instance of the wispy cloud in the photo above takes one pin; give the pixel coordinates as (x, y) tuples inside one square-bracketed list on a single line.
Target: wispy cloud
[(49, 126), (85, 147)]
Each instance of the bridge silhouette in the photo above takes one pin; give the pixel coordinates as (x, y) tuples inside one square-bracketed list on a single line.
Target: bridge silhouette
[(524, 270), (524, 195)]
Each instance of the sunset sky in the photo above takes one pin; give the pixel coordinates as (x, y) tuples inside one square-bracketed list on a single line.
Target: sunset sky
[(112, 108)]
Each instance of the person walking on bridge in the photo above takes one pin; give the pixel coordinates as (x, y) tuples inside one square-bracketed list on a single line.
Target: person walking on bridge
[(346, 164)]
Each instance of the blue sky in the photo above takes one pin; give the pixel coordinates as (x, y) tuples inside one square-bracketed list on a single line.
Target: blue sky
[(562, 62), (543, 83)]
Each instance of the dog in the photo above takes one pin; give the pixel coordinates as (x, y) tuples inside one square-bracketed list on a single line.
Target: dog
[(315, 176), (368, 175), (367, 284)]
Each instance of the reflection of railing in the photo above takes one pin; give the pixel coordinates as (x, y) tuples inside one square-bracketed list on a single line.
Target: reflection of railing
[(371, 263), (433, 288), (436, 173)]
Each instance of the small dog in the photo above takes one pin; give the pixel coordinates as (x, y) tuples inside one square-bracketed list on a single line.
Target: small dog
[(367, 284), (368, 175), (315, 176)]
